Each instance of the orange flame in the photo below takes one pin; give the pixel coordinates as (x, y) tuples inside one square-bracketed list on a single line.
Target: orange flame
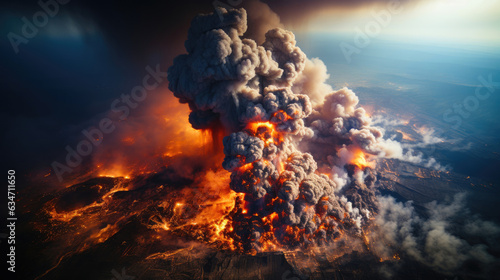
[(266, 131), (361, 160)]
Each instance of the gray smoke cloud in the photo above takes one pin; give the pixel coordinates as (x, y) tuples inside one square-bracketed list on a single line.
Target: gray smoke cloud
[(255, 92), (223, 74), (442, 241)]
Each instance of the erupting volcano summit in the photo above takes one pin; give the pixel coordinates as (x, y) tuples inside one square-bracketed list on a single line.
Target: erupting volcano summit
[(299, 155)]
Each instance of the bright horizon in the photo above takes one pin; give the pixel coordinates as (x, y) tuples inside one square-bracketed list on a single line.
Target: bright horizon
[(463, 22)]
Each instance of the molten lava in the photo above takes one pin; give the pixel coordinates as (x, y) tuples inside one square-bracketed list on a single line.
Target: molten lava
[(116, 171)]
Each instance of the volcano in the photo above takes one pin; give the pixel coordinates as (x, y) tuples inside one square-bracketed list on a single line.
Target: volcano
[(275, 176)]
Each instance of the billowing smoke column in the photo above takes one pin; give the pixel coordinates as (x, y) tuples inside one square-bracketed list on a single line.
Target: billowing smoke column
[(254, 93)]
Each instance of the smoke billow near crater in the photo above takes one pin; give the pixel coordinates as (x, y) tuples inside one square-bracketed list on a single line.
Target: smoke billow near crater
[(259, 95)]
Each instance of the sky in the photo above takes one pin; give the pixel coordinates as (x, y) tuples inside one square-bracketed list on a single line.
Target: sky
[(140, 26), (464, 22)]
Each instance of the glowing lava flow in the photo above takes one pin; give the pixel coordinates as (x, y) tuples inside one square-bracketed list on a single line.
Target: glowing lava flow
[(202, 213)]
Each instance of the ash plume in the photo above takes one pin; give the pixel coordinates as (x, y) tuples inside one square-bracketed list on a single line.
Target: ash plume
[(279, 111)]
